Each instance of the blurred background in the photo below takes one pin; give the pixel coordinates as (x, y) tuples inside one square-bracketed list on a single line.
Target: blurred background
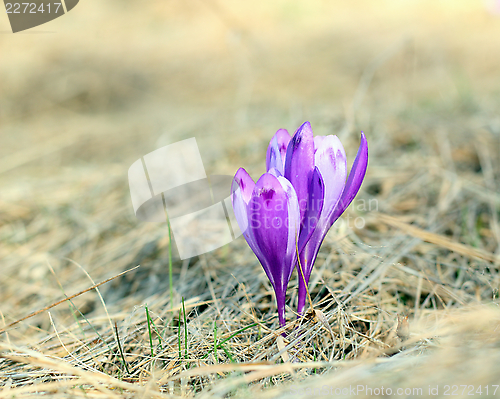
[(113, 80), (85, 95)]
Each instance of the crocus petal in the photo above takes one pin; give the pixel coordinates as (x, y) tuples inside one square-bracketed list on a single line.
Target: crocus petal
[(354, 181), (273, 157), (330, 159), (291, 252), (241, 192), (274, 222), (272, 226), (314, 208), (299, 164), (276, 151), (293, 224), (245, 183), (338, 195), (275, 172)]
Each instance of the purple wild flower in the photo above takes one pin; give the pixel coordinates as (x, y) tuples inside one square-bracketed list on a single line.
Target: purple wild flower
[(267, 213), (317, 169)]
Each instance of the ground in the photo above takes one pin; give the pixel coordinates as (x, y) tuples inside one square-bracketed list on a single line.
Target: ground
[(405, 289)]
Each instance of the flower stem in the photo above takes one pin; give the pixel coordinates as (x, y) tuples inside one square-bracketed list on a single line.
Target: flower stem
[(301, 303), (302, 286), (280, 302)]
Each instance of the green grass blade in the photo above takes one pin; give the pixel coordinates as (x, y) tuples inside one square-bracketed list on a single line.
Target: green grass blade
[(149, 331), (215, 342), (179, 335), (185, 330), (219, 345), (121, 350)]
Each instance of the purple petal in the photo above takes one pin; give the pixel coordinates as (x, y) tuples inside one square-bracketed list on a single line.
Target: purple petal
[(299, 164), (333, 173), (275, 172), (291, 252), (293, 222), (354, 181), (241, 193), (274, 222), (314, 208), (276, 151), (243, 181), (330, 159)]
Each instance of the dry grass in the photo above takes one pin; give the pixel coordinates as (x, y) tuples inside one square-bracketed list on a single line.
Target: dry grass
[(419, 78)]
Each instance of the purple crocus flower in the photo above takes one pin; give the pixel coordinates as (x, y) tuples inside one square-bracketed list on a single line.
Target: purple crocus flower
[(294, 158), (316, 167), (267, 213)]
